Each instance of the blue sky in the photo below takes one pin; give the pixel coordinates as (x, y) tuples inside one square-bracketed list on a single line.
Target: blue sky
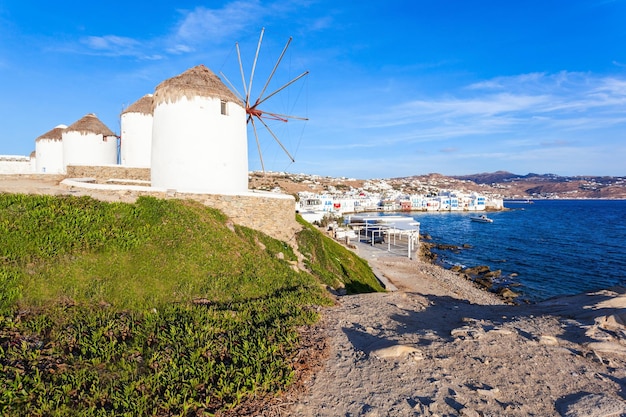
[(396, 88)]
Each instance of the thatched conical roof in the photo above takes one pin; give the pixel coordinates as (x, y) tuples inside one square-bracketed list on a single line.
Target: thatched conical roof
[(198, 81), (54, 134), (141, 106), (90, 124)]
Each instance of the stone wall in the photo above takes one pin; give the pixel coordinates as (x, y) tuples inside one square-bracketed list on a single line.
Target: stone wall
[(270, 213), (107, 172)]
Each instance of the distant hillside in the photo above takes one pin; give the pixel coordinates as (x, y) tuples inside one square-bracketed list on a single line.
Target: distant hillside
[(501, 184), (503, 176), (551, 185)]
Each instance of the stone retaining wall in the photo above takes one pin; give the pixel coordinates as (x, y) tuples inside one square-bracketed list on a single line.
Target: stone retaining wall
[(270, 213), (274, 215)]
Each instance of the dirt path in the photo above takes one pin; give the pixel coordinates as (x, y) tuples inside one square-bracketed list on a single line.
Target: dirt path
[(438, 346)]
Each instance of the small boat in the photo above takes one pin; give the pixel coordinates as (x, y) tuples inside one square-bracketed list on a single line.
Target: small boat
[(482, 218)]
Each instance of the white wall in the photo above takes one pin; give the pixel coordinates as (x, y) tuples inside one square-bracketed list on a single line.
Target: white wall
[(15, 164), (89, 149), (136, 142), (49, 156), (197, 149)]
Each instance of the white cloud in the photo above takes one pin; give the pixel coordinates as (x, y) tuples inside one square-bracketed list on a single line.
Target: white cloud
[(110, 42), (528, 101), (112, 45), (202, 24)]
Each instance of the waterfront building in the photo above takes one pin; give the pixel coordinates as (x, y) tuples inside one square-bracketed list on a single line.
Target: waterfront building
[(476, 202)]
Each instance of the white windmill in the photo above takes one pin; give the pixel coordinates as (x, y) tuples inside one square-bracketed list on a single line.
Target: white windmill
[(255, 111)]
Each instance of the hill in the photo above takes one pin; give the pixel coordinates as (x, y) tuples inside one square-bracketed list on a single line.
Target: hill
[(501, 184), (161, 307)]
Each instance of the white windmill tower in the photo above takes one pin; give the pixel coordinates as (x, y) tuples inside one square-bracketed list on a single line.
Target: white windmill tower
[(255, 108), (198, 135)]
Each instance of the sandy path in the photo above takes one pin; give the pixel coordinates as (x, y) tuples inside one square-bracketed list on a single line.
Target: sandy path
[(438, 346)]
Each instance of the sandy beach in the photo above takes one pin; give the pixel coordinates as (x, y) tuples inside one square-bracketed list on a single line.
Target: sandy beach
[(437, 345)]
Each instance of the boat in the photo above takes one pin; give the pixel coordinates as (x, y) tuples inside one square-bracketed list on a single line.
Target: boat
[(482, 218)]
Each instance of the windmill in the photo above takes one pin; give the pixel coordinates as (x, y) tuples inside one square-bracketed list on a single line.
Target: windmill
[(254, 113)]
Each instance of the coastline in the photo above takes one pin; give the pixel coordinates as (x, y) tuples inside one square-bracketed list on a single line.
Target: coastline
[(438, 345)]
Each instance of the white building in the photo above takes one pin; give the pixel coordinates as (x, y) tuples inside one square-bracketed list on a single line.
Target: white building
[(49, 152), (477, 202), (199, 141), (136, 133), (89, 142)]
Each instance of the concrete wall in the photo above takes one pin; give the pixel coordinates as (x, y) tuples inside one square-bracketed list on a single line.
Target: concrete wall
[(15, 164)]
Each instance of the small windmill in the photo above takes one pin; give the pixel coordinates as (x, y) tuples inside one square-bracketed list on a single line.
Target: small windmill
[(254, 113)]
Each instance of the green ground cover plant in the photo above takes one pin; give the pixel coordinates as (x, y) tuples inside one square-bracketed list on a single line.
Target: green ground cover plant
[(161, 307), (333, 264)]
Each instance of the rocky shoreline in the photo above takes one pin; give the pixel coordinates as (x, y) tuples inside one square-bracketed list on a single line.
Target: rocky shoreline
[(481, 275)]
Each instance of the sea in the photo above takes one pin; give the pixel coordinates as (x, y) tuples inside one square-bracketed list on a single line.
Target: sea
[(546, 249)]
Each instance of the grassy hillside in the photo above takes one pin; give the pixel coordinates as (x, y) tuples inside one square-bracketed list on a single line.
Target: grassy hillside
[(333, 264), (161, 307)]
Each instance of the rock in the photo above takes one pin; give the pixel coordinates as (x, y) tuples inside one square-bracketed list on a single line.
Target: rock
[(507, 293), (607, 347), (500, 331), (485, 282), (445, 246), (467, 332), (612, 322), (369, 411), (488, 392), (594, 405), (548, 340), (398, 351), (468, 412), (493, 274), (476, 270), (456, 268)]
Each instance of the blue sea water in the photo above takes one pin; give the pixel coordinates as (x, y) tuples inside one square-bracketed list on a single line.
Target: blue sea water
[(546, 249)]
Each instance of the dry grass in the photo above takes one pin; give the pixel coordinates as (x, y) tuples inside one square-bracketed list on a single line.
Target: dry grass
[(198, 81)]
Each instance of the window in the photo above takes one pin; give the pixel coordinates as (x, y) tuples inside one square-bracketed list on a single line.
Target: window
[(224, 108)]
